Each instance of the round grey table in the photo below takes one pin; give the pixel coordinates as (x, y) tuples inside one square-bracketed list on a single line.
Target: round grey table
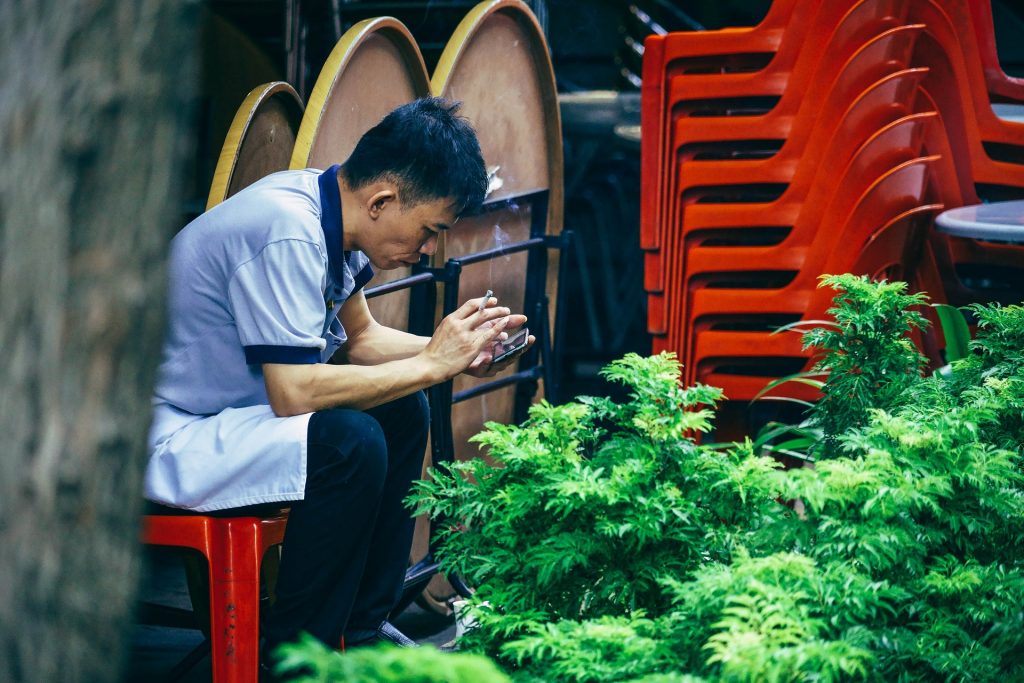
[(1013, 113), (997, 221)]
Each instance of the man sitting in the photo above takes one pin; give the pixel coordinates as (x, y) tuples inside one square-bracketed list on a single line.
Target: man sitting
[(264, 289)]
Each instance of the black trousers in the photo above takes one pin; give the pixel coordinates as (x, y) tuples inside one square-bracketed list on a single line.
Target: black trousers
[(347, 543)]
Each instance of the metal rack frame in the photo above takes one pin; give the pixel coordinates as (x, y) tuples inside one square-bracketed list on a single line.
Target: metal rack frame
[(539, 362)]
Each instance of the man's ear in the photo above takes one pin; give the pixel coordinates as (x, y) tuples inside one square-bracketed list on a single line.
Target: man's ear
[(379, 200)]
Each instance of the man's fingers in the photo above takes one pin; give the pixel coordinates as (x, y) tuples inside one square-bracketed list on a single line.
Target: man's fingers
[(493, 313), (473, 306), (495, 330), (516, 320), (515, 356)]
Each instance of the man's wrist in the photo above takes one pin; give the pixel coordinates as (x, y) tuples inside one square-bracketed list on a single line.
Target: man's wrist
[(433, 372)]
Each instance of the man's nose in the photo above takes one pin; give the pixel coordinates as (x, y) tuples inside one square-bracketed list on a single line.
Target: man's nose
[(430, 246)]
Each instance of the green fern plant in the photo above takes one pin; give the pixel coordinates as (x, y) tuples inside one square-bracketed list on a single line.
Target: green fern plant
[(310, 661), (607, 545), (587, 505), (868, 354)]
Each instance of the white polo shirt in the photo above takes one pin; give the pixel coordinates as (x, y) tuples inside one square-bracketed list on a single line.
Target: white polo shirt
[(259, 278)]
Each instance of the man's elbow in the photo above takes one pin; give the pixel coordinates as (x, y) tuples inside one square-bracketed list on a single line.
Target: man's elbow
[(287, 406), (290, 397)]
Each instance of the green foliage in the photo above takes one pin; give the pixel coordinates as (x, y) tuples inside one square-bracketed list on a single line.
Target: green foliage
[(608, 546), (592, 651), (310, 661), (991, 379), (954, 331), (589, 504), (776, 618), (868, 355)]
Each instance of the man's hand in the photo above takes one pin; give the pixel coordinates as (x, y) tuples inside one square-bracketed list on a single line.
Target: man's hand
[(463, 336), (482, 365)]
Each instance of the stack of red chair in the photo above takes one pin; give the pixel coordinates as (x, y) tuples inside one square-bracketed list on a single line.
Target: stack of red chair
[(823, 140)]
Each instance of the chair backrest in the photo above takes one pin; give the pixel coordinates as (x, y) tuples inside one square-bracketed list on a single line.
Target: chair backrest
[(951, 45), (899, 190), (374, 68), (260, 140), (497, 64), (829, 151), (1001, 87), (892, 253), (798, 63)]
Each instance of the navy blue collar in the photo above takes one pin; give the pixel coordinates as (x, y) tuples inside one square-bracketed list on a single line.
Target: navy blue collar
[(330, 221)]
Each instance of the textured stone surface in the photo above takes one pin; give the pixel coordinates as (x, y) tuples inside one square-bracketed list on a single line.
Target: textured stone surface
[(93, 123)]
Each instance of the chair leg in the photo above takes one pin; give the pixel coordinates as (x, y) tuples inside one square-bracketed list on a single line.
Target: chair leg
[(234, 601)]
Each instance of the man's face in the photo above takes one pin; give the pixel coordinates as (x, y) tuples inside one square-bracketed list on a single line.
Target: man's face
[(401, 233)]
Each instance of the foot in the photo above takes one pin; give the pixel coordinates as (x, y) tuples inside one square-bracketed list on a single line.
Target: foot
[(385, 633)]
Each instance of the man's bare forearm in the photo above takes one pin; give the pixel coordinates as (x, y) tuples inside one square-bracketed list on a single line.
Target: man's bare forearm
[(298, 389), (378, 344)]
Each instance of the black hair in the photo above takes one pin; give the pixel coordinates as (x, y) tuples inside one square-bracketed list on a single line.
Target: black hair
[(427, 150)]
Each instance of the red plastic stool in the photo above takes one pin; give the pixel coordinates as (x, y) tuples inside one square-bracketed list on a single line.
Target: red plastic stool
[(234, 549)]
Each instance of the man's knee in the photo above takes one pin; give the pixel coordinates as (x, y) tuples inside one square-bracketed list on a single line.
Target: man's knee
[(414, 413), (418, 410), (350, 440)]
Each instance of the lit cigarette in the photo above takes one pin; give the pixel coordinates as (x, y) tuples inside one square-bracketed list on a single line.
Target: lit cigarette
[(483, 302)]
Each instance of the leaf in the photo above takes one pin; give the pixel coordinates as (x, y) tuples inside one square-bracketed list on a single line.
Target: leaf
[(799, 377), (796, 325), (954, 331)]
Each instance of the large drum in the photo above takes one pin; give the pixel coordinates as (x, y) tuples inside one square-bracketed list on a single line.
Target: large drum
[(497, 64), (374, 68), (259, 141)]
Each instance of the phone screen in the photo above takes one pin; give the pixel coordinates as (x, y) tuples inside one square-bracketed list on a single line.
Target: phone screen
[(504, 349)]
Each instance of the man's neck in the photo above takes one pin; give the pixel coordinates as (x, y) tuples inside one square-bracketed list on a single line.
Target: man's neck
[(349, 226)]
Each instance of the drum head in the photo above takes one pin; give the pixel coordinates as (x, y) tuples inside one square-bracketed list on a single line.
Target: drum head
[(497, 65), (374, 68), (260, 140)]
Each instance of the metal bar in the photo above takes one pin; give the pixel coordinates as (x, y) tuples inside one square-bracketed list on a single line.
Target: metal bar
[(515, 378), (512, 202), (532, 243), (396, 285), (547, 363), (568, 237)]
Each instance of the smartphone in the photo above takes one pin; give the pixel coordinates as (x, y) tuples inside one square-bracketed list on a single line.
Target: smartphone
[(513, 344)]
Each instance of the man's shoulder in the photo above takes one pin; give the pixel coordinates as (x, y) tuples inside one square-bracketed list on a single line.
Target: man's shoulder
[(282, 193), (283, 205)]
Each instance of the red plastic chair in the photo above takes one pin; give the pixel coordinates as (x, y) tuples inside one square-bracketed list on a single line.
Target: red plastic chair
[(664, 56), (896, 143), (234, 548), (1001, 87), (796, 119), (896, 191), (890, 254), (812, 234), (899, 192), (820, 166), (798, 60)]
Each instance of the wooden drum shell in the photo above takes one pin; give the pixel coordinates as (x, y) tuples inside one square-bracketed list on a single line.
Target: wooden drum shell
[(374, 68), (259, 142), (497, 64)]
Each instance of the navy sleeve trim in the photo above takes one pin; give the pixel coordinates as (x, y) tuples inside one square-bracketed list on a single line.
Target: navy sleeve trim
[(290, 355), (362, 277)]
